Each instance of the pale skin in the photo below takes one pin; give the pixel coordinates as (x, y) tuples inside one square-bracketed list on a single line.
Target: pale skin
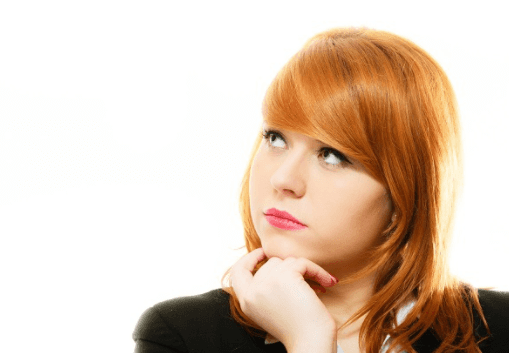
[(345, 210)]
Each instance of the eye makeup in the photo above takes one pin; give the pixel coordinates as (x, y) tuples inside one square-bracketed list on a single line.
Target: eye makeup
[(271, 135)]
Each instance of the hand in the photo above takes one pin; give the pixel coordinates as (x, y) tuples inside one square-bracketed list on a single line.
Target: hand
[(278, 298)]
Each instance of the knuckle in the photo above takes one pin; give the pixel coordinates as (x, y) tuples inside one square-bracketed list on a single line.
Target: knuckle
[(243, 300), (300, 261), (246, 303), (242, 303), (274, 260), (290, 259)]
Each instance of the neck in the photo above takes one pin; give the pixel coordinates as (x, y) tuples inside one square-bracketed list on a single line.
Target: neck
[(343, 301)]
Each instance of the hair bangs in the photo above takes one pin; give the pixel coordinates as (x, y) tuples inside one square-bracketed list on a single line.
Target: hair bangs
[(312, 95)]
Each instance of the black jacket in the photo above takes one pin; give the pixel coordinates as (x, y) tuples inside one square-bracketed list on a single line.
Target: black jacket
[(202, 323)]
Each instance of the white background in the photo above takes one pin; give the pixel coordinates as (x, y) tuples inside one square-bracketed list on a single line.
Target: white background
[(126, 126)]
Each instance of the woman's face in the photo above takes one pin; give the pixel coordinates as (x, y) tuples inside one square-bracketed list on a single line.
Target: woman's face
[(343, 207)]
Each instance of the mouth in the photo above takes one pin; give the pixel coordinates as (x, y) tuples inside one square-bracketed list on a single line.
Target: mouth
[(283, 220)]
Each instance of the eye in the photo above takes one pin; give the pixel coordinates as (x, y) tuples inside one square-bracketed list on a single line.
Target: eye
[(340, 157), (332, 157), (268, 135)]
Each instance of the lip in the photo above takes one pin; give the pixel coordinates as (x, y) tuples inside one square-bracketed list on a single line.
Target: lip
[(283, 220)]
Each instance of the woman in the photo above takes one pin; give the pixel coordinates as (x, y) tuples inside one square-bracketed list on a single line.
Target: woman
[(347, 205)]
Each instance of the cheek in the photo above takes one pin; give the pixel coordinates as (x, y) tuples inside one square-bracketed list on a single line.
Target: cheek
[(353, 211), (373, 217), (257, 188), (255, 178)]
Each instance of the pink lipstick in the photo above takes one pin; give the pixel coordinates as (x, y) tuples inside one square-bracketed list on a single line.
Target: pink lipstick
[(283, 220)]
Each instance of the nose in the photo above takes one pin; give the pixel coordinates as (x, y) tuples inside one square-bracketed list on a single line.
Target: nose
[(289, 177)]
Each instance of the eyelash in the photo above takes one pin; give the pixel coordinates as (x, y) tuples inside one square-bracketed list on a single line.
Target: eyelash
[(267, 134)]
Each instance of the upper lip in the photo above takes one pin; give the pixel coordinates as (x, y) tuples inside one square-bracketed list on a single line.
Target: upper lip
[(282, 214)]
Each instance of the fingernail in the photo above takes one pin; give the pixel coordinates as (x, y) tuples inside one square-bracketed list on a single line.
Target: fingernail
[(334, 279)]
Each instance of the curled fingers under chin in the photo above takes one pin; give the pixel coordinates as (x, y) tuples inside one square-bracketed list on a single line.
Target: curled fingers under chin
[(314, 272)]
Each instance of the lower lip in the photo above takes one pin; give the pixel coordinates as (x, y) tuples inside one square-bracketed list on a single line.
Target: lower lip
[(283, 223)]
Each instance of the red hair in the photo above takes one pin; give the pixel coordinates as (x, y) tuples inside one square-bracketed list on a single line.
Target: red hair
[(384, 101)]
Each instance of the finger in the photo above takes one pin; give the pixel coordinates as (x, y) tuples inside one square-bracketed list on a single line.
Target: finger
[(317, 288), (311, 270), (271, 266), (253, 258), (243, 268)]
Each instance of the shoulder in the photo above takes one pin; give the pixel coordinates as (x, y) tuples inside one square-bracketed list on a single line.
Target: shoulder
[(493, 300), (209, 304), (495, 306), (195, 323), (172, 322)]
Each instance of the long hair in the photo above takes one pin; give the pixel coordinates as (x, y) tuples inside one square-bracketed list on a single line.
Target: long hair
[(384, 101)]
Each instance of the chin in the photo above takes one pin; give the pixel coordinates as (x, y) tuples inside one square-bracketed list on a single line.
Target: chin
[(281, 251)]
